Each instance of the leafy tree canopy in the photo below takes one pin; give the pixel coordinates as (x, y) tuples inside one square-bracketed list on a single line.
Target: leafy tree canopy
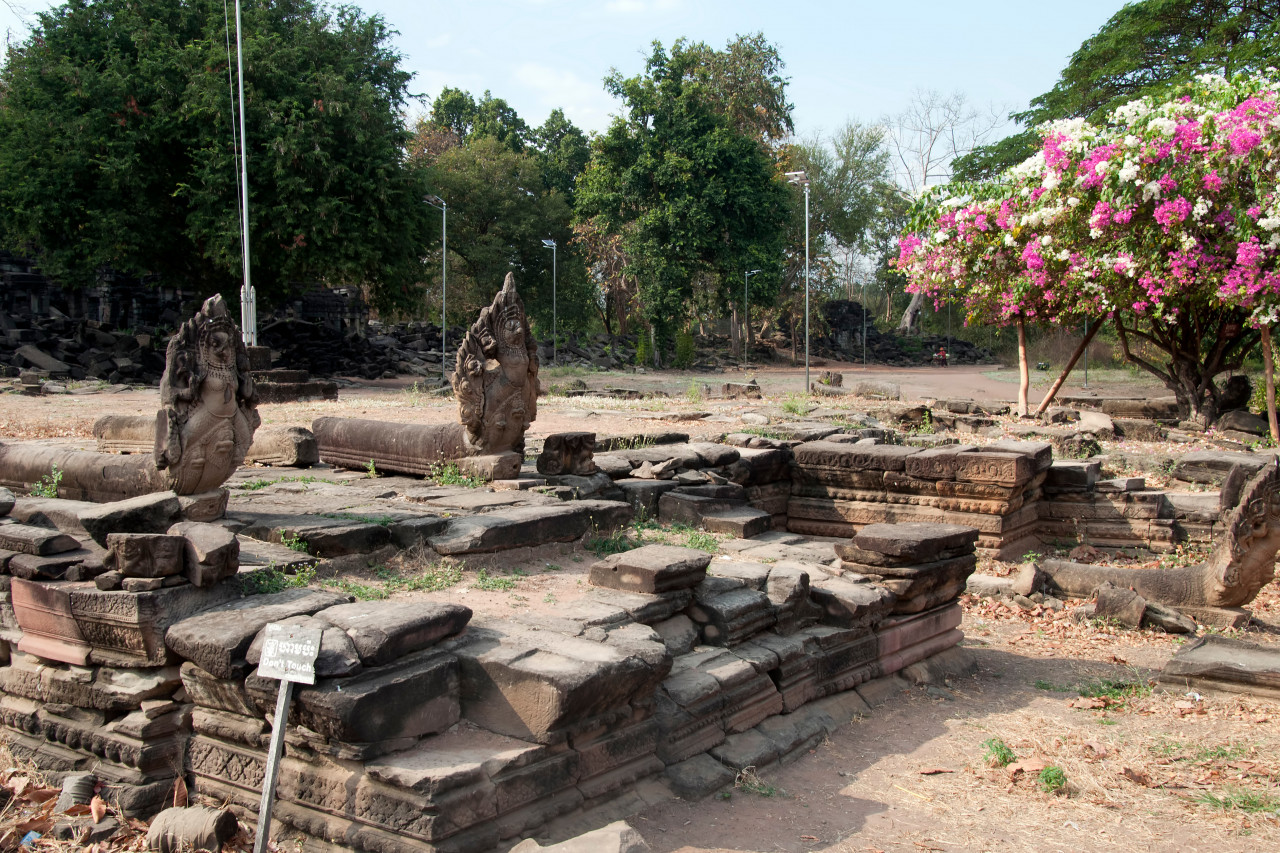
[(687, 186), (116, 147), (1143, 49)]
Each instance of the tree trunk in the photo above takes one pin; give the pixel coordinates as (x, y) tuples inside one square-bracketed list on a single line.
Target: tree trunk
[(1084, 344), (910, 321), (1024, 369), (1270, 371)]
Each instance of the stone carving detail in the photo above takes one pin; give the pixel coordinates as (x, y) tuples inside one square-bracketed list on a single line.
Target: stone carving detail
[(568, 453), (496, 380), (146, 555), (209, 409), (1242, 563)]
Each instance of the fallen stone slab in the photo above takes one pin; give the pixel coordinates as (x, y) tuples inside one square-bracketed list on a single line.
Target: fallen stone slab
[(617, 837), (1214, 662), (383, 631), (40, 541), (850, 605), (528, 526), (42, 360), (125, 433), (914, 541), (874, 457), (533, 684), (146, 555), (1212, 466), (217, 639), (337, 657), (651, 569), (151, 513)]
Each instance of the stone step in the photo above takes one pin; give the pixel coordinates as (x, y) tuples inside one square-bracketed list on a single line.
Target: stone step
[(743, 522)]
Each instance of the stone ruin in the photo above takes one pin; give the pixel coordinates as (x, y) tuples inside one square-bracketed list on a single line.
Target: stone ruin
[(130, 646)]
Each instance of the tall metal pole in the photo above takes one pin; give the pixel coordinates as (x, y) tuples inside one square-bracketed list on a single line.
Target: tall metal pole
[(444, 288), (551, 244), (248, 296), (806, 287), (554, 318)]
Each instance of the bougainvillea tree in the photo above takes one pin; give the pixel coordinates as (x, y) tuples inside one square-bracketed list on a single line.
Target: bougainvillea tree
[(1165, 221)]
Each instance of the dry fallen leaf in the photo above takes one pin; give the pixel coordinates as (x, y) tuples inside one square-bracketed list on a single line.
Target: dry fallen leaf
[(1136, 776), (98, 808), (934, 771), (179, 793), (1088, 703), (1097, 749)]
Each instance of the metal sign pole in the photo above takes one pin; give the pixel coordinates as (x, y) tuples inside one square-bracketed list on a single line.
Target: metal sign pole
[(288, 654)]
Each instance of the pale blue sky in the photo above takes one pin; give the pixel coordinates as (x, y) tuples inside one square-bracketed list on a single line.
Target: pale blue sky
[(846, 60)]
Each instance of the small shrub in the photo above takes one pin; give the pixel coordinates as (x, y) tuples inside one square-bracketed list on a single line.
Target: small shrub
[(449, 474), (47, 487), (997, 753), (693, 393), (683, 358), (372, 470), (796, 404), (1052, 780)]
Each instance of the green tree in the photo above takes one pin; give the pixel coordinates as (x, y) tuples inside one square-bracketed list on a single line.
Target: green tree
[(1143, 49), (692, 200), (116, 147), (467, 118)]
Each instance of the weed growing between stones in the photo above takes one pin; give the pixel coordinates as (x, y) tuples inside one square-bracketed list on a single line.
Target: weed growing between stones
[(449, 474), (292, 541), (305, 479), (372, 470), (380, 520), (274, 579), (693, 393), (613, 543), (47, 486)]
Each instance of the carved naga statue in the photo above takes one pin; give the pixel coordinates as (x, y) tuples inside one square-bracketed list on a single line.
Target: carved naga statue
[(208, 406), (496, 379), (1241, 564)]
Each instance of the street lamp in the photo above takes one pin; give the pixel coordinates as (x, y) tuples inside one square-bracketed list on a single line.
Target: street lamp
[(803, 179), (551, 244), (746, 312), (440, 205)]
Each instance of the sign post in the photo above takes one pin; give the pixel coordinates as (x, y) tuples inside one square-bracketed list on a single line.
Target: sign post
[(288, 654)]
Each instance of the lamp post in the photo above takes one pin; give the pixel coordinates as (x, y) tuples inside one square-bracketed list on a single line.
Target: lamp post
[(551, 244), (746, 313), (248, 293), (803, 179), (442, 206)]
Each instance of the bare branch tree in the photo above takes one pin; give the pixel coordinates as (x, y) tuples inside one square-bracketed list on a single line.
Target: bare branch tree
[(923, 140)]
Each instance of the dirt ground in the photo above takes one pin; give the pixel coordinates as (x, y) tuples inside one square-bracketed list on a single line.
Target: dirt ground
[(1142, 769)]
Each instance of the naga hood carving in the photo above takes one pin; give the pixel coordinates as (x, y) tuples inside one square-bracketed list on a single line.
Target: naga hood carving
[(496, 377)]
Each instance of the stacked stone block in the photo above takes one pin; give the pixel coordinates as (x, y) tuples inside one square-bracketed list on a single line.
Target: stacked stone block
[(837, 488)]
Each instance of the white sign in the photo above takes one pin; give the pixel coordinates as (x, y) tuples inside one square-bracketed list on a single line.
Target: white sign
[(289, 653)]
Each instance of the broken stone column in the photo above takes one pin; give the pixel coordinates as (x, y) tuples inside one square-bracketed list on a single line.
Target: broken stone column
[(393, 448), (287, 446)]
